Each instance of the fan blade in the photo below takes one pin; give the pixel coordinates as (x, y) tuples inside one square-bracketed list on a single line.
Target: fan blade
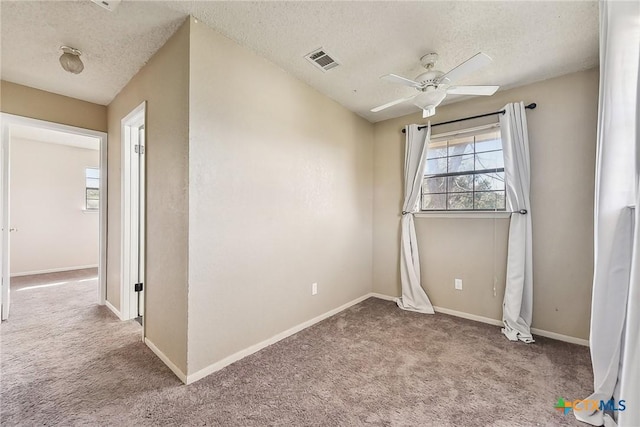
[(472, 64), (473, 90), (392, 103), (394, 78)]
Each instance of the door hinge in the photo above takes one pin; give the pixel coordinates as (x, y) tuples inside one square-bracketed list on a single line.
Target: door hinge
[(138, 287), (138, 149)]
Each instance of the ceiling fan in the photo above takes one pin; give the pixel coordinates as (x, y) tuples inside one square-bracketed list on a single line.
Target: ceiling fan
[(433, 85)]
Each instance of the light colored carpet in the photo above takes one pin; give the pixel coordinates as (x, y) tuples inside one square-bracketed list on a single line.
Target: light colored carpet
[(66, 361)]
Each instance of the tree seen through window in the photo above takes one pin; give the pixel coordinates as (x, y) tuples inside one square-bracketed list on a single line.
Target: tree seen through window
[(465, 173)]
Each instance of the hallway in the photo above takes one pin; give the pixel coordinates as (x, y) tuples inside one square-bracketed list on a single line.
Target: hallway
[(66, 360)]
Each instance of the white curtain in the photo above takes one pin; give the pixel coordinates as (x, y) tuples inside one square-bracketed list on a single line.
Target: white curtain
[(615, 322), (630, 369), (414, 298), (518, 296)]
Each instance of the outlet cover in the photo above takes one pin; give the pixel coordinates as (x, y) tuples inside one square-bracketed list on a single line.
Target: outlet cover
[(314, 288), (458, 284)]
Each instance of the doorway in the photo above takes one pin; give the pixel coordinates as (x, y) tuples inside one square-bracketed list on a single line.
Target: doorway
[(133, 214), (14, 127)]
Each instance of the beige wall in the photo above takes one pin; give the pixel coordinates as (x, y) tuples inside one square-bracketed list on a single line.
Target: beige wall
[(38, 104), (280, 197), (164, 84), (562, 132), (47, 207)]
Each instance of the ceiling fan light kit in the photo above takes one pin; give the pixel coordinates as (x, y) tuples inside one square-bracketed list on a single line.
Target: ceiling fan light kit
[(428, 100), (433, 85), (70, 60)]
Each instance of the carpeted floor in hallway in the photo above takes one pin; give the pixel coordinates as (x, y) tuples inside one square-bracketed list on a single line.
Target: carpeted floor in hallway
[(67, 361)]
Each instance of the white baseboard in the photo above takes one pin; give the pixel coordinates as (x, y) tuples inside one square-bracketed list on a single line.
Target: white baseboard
[(382, 296), (496, 322), (166, 360), (112, 308), (468, 316), (53, 270), (560, 337), (259, 346)]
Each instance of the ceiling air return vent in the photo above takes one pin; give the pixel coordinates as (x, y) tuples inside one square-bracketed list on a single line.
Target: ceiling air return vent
[(321, 59)]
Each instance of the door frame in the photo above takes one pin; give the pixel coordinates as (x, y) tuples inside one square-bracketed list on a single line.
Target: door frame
[(128, 297), (6, 121)]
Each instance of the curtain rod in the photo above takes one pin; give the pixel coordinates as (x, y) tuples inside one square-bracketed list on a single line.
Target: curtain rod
[(528, 107)]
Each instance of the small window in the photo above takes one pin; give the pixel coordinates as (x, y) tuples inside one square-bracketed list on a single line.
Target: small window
[(464, 172), (92, 189)]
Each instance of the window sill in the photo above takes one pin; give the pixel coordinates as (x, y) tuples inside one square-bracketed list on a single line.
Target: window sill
[(464, 214)]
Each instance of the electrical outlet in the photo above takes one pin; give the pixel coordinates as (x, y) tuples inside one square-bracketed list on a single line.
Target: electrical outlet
[(458, 284), (314, 288)]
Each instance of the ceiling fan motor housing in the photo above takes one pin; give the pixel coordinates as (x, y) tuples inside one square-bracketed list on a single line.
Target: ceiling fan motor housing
[(429, 99), (430, 78)]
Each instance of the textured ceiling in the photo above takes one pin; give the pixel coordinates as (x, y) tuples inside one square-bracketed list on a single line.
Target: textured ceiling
[(115, 45), (528, 40)]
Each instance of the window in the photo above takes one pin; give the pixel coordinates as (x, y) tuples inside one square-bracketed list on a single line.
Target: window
[(92, 188), (464, 171)]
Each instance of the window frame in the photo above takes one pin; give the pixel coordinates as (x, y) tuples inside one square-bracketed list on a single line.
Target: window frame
[(467, 132), (87, 189)]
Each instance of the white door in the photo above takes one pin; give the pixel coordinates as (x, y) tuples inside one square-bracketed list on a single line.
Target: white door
[(133, 194)]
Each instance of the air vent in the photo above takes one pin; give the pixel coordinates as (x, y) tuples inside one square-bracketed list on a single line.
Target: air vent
[(321, 59), (110, 5)]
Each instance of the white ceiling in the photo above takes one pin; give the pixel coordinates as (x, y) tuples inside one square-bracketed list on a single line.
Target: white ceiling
[(54, 137), (528, 40)]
